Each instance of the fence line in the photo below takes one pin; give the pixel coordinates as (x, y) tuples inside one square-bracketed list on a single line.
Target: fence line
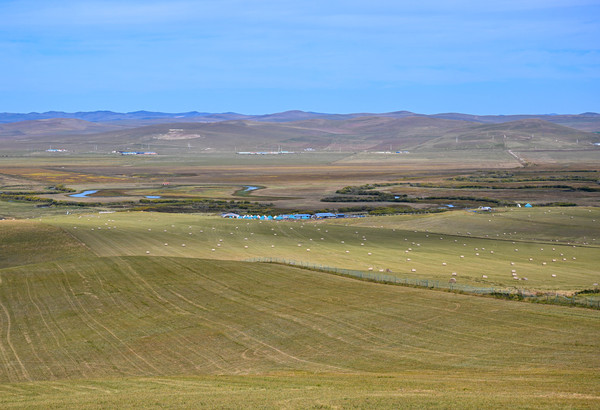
[(509, 293)]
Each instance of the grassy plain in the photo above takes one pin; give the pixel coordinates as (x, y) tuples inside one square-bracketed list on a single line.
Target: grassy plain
[(89, 331), (146, 309), (371, 243), (303, 181)]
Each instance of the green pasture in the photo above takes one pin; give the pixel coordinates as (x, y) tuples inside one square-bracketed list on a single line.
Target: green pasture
[(405, 253), (586, 155), (175, 191), (9, 209), (81, 326), (27, 242), (494, 158), (177, 157), (411, 389), (568, 225)]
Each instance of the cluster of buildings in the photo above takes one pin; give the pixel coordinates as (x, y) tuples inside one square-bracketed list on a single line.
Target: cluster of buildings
[(264, 152), (135, 152), (289, 217)]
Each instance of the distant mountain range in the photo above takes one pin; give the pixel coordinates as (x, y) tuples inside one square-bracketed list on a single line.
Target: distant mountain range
[(297, 130), (589, 121)]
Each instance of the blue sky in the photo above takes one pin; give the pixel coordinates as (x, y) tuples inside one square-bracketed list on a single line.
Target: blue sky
[(262, 56)]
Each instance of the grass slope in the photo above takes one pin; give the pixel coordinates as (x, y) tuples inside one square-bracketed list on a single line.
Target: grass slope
[(26, 242), (360, 133), (412, 389), (572, 225), (145, 330), (376, 247)]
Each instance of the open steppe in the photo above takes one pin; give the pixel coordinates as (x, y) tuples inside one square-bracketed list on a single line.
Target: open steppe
[(118, 300), (87, 324)]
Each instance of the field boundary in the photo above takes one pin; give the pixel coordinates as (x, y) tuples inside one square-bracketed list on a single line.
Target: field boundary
[(512, 293)]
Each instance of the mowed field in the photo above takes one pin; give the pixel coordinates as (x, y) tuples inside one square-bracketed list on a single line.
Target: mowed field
[(500, 245), (83, 325)]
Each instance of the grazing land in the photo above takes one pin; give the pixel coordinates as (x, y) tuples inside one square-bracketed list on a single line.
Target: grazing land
[(136, 329), (379, 245), (115, 299)]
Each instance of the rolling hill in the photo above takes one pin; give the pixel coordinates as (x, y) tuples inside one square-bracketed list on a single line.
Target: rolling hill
[(81, 328), (360, 133), (52, 127), (588, 121)]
